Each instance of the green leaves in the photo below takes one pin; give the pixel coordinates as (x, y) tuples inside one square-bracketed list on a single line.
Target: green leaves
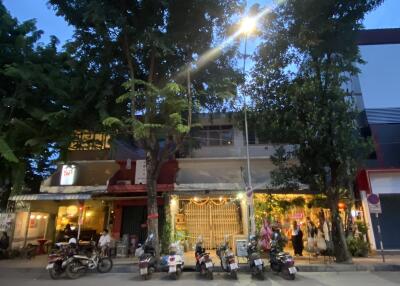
[(6, 152)]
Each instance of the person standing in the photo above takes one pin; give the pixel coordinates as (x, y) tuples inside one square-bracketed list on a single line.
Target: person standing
[(104, 242), (311, 235), (297, 239)]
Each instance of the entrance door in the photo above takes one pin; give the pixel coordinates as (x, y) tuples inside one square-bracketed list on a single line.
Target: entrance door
[(389, 222), (212, 219), (134, 219)]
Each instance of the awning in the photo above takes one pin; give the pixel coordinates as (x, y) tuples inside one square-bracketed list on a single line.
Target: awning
[(50, 197)]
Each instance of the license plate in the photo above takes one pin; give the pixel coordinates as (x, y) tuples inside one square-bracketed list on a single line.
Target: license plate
[(258, 262), (209, 265), (50, 266), (172, 268), (292, 270), (233, 266), (143, 271)]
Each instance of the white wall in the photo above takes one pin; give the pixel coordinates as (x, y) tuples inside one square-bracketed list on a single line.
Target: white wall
[(380, 75), (385, 183)]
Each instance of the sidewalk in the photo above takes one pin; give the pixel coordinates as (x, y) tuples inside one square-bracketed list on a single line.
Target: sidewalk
[(304, 264)]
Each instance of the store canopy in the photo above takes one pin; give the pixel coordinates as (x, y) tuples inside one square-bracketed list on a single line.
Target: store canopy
[(50, 197)]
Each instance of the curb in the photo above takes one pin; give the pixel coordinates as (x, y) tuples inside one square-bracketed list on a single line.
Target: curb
[(130, 268)]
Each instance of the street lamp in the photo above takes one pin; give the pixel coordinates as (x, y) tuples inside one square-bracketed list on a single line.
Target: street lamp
[(247, 26)]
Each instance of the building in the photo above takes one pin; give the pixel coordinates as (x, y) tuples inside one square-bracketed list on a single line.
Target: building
[(380, 49)]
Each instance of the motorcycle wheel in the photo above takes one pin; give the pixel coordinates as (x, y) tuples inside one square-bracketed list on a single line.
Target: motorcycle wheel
[(105, 265), (72, 270), (210, 275), (234, 274), (287, 275), (54, 274), (261, 276), (173, 275)]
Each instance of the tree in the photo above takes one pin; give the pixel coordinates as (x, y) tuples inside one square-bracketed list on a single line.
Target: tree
[(308, 52), (33, 104), (147, 48)]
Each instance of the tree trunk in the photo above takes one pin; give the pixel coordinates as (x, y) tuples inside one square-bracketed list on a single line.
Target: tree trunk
[(341, 251), (152, 205)]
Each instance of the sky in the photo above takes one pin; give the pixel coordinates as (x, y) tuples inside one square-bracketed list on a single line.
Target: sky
[(386, 16)]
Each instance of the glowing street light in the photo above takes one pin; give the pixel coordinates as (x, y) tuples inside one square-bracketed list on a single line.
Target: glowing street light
[(248, 25)]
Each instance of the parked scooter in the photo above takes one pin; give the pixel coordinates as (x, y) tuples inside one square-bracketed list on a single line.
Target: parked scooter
[(254, 259), (204, 263), (227, 258), (147, 261), (58, 261), (281, 262), (175, 260), (81, 263)]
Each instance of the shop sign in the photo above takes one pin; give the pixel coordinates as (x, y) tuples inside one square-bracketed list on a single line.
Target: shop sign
[(68, 175), (374, 204), (241, 248), (140, 172), (6, 221)]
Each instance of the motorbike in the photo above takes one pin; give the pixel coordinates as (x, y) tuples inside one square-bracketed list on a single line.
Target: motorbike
[(254, 259), (227, 258), (204, 263), (175, 261), (147, 261), (281, 262), (80, 264), (58, 261)]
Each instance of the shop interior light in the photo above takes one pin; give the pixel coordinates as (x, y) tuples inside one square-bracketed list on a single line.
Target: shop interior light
[(195, 199), (32, 216), (240, 196), (39, 217), (341, 206), (220, 199), (45, 217), (88, 214), (174, 202)]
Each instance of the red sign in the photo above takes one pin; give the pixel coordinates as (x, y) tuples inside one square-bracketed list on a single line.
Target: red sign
[(152, 216)]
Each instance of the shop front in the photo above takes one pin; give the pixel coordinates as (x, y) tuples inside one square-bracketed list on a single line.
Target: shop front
[(213, 217), (128, 195), (43, 218)]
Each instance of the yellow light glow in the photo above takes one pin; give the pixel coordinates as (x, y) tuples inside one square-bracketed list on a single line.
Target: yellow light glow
[(240, 196), (32, 216), (174, 202), (88, 214), (220, 199), (196, 199), (39, 217), (45, 217), (248, 25)]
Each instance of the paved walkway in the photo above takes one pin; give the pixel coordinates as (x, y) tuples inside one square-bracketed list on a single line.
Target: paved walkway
[(305, 264)]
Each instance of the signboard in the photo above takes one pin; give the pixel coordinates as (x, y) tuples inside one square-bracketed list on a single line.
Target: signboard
[(241, 248), (140, 172), (374, 204), (68, 175), (6, 221)]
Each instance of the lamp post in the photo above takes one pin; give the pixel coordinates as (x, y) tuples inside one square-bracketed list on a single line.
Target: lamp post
[(247, 26)]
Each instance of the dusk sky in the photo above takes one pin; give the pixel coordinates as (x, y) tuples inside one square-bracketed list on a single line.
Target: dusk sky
[(386, 16)]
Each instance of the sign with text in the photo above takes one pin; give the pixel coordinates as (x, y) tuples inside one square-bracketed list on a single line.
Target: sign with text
[(374, 204), (241, 248), (68, 175), (140, 172), (6, 221)]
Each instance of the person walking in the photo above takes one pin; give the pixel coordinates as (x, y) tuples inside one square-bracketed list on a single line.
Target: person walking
[(311, 235), (297, 239)]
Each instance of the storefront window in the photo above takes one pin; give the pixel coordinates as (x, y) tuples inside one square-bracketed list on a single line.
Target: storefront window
[(90, 217), (36, 223)]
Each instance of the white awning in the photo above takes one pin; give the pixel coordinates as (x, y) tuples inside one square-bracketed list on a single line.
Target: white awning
[(50, 197)]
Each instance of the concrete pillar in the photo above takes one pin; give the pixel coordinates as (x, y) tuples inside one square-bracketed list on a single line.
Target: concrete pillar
[(367, 217)]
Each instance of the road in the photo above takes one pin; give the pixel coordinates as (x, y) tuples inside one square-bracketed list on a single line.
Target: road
[(12, 277)]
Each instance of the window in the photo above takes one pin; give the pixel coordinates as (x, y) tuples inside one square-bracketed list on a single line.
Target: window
[(216, 135)]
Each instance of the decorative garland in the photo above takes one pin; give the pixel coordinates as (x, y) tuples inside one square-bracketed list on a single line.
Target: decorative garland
[(208, 200)]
